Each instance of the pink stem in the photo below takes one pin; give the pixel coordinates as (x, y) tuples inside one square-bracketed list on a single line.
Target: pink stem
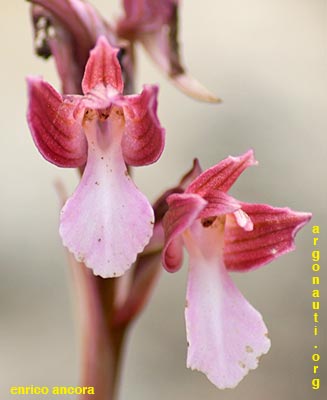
[(102, 342)]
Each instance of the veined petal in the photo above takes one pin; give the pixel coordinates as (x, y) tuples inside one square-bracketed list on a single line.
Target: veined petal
[(103, 68), (223, 175), (183, 210), (107, 221), (225, 334), (144, 138), (273, 234), (56, 133)]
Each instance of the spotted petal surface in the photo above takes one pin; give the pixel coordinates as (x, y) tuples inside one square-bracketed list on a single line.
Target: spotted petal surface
[(225, 334), (107, 221)]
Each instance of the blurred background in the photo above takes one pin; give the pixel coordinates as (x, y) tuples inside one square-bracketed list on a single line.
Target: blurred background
[(267, 60)]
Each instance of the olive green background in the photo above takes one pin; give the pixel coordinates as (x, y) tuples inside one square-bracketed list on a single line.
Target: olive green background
[(268, 61)]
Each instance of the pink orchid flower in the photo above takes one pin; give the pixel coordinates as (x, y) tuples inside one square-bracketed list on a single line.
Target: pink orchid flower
[(155, 25), (225, 334), (107, 221), (68, 30)]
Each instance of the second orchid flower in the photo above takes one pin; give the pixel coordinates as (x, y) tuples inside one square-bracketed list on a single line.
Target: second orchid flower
[(225, 334)]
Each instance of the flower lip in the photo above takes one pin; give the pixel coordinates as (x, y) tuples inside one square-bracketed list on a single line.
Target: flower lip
[(107, 130), (107, 221), (225, 334)]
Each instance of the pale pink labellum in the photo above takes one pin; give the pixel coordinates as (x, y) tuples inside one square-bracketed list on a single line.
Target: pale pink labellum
[(225, 334), (107, 221), (142, 279)]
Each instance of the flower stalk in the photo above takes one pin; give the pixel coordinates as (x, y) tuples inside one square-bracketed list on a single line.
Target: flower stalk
[(102, 341)]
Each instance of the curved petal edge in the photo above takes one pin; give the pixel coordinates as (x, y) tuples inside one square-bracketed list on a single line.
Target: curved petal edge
[(183, 210), (273, 234), (56, 133)]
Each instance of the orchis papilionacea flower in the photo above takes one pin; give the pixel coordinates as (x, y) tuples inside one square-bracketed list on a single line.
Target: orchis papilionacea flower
[(68, 30), (225, 334), (154, 24), (107, 221)]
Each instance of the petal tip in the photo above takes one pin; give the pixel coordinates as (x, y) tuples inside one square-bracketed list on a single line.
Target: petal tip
[(102, 67), (242, 368), (247, 157), (191, 87), (302, 219)]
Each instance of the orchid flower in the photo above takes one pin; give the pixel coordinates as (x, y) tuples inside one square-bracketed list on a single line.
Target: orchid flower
[(155, 25), (107, 221), (225, 334), (68, 30)]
